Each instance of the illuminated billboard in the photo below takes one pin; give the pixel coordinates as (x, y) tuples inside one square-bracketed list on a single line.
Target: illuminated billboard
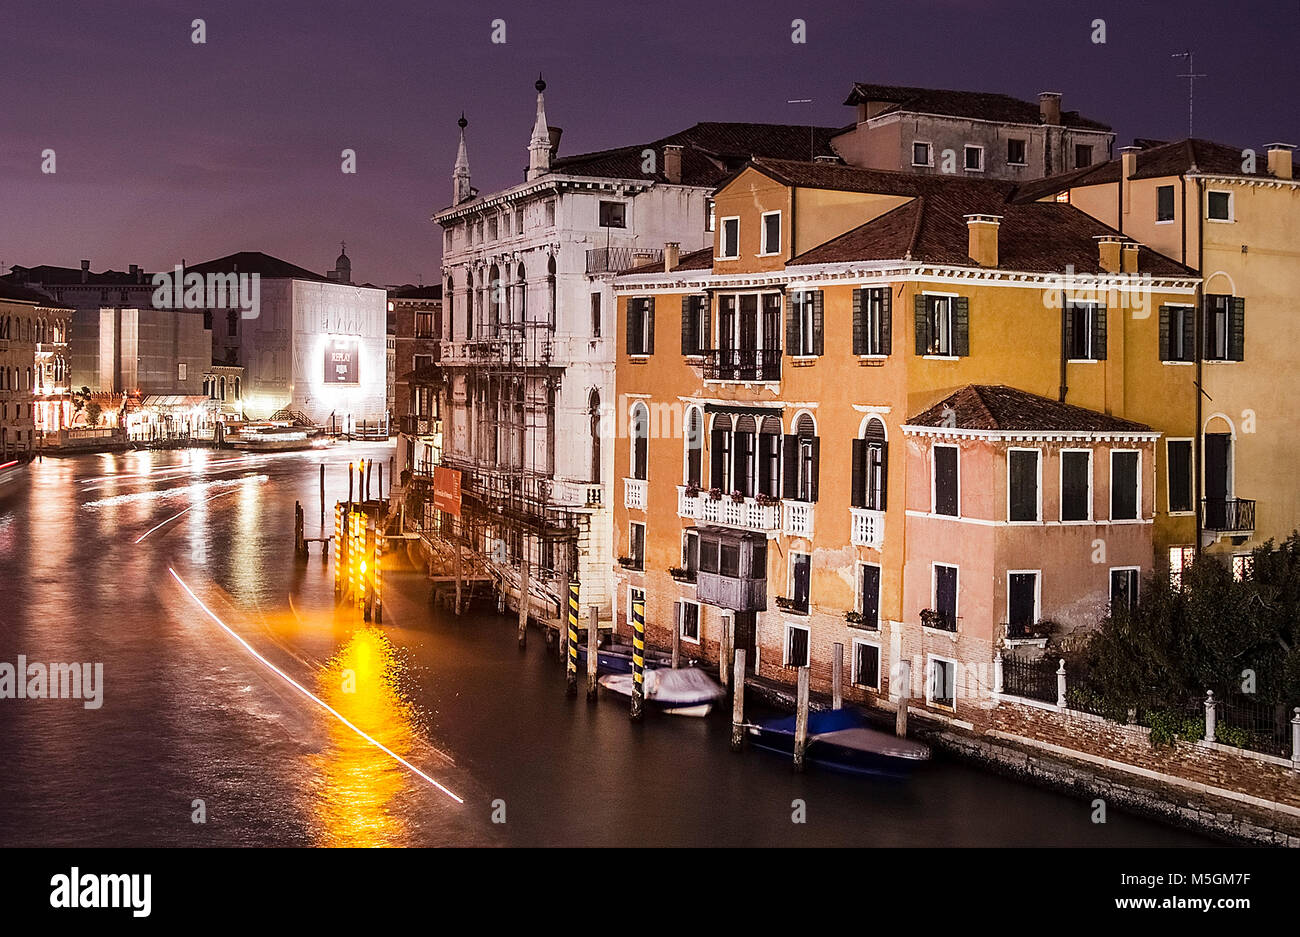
[(342, 356)]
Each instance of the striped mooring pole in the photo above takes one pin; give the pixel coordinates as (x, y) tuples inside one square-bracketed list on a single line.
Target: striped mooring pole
[(338, 549), (571, 658), (638, 658)]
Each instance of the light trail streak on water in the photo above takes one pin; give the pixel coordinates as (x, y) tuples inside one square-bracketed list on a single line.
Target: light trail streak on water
[(196, 488)]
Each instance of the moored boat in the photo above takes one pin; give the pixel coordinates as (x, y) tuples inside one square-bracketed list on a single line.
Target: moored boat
[(617, 658), (842, 740), (11, 475), (683, 692)]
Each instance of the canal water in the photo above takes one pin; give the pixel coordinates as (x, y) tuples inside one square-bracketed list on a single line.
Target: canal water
[(240, 706)]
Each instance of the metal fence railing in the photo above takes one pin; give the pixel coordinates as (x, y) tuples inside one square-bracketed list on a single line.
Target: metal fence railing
[(1032, 679)]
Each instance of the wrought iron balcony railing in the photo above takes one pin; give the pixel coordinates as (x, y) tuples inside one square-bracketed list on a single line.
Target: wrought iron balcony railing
[(743, 364), (1228, 514), (615, 259)]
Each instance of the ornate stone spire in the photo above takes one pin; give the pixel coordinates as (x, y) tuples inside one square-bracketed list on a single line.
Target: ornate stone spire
[(539, 147), (461, 190)]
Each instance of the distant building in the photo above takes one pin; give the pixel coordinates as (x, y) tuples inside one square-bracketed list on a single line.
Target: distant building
[(968, 133), (416, 316), (34, 388), (313, 345)]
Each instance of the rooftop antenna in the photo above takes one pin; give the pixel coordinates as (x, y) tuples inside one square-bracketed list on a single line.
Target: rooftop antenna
[(812, 143), (1191, 75)]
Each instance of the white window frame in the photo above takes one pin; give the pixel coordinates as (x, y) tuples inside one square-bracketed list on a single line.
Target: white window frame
[(1060, 487), (1025, 144), (785, 650), (1232, 206), (930, 660), (934, 480), (929, 152), (934, 593), (765, 249), (632, 437), (952, 324), (966, 150), (1175, 217), (699, 621), (1038, 591), (722, 238), (710, 215), (1137, 583), (1169, 467), (631, 542), (1091, 308), (1110, 507), (880, 588), (789, 575), (1188, 310), (1038, 507), (853, 664)]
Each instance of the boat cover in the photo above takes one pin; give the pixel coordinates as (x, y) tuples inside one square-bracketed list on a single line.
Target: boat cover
[(848, 728), (683, 687)]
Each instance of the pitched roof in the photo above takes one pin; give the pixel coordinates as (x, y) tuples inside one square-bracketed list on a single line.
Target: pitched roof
[(71, 276), (998, 407), (16, 292), (973, 105), (409, 291), (701, 259), (1153, 162), (263, 265), (808, 175)]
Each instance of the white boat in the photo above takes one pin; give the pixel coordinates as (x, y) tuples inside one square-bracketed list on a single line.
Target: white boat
[(683, 692)]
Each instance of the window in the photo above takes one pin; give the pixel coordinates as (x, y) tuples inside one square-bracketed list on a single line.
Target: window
[(550, 213), (944, 598), (1022, 485), (921, 154), (696, 325), (1082, 155), (802, 457), (973, 157), (636, 545), (1022, 602), (182, 369), (804, 327), (1124, 485), (1123, 590), (872, 323), (421, 361), (729, 244), (694, 443), (771, 232), (641, 325), (1085, 331), (710, 214), (1180, 558), (1076, 485), (1218, 206), (595, 315), (796, 646), (232, 322), (1243, 566), (729, 559), (869, 595), (942, 688), (800, 580), (866, 665), (709, 556), (946, 486), (1225, 327), (1164, 203), (1179, 452), (640, 433), (688, 620), (1016, 152), (492, 228), (424, 324), (870, 468), (1177, 333), (690, 551), (613, 215), (942, 325)]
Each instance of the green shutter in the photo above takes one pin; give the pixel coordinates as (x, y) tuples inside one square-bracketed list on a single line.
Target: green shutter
[(858, 482), (819, 317), (792, 346), (790, 466), (1237, 329), (922, 326), (1166, 346), (886, 321), (1099, 333), (650, 328), (689, 332), (706, 332), (859, 325), (1189, 334), (632, 330), (1067, 340), (962, 344)]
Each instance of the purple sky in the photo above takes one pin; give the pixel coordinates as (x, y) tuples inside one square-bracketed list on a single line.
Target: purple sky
[(166, 149)]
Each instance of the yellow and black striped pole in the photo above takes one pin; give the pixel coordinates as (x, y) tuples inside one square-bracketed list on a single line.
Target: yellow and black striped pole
[(338, 548), (379, 575), (638, 658), (571, 658)]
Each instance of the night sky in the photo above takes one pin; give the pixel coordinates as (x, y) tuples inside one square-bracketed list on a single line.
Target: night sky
[(167, 149)]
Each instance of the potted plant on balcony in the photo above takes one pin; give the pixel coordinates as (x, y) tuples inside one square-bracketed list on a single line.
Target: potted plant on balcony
[(1043, 628), (854, 618), (738, 496), (766, 500), (933, 618), (692, 491), (788, 604), (680, 574), (627, 562), (715, 494)]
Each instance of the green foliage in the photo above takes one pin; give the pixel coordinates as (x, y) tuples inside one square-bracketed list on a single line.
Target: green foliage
[(1167, 726), (1231, 735)]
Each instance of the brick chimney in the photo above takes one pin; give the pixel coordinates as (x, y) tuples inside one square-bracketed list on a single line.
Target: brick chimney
[(673, 164), (982, 238), (1108, 247), (672, 254), (85, 270), (1129, 257), (1128, 164), (1049, 107), (1279, 160)]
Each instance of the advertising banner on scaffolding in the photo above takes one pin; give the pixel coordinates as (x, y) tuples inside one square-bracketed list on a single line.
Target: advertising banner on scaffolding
[(446, 490)]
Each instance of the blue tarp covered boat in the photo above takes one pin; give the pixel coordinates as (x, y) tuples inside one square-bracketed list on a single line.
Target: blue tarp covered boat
[(842, 740)]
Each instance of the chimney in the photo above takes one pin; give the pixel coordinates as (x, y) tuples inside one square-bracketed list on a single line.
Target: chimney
[(1049, 107), (672, 253), (1108, 248), (673, 164), (982, 239), (1128, 164), (1129, 257), (1279, 160), (554, 134), (135, 272), (85, 270)]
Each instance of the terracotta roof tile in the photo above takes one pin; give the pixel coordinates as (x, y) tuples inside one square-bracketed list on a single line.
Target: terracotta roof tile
[(998, 407), (975, 105)]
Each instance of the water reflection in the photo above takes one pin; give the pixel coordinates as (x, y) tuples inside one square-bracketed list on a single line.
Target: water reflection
[(360, 785)]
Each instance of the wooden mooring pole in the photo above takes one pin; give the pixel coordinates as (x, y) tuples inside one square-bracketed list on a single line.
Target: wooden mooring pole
[(837, 676), (738, 703), (523, 603), (593, 654), (322, 496), (904, 694), (801, 720)]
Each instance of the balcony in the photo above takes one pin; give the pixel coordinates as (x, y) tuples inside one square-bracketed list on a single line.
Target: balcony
[(725, 511), (616, 259), (634, 491), (733, 592), (868, 528), (797, 518), (418, 425), (743, 365), (939, 620), (1228, 515)]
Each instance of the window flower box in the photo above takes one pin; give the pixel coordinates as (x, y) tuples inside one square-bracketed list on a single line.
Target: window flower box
[(766, 500), (933, 618), (681, 575), (715, 494), (788, 604), (738, 497), (627, 562), (692, 491)]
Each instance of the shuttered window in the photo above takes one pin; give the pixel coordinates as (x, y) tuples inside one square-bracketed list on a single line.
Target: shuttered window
[(1124, 486), (696, 325), (870, 468), (688, 620), (641, 325), (945, 480), (872, 321), (801, 457), (945, 594), (1022, 476), (804, 328), (1177, 333), (1085, 331), (942, 325), (1225, 328), (1076, 486), (1123, 591), (1180, 474)]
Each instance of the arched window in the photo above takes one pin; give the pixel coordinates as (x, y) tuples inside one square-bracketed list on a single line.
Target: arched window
[(496, 291), (521, 304), (769, 456), (744, 449), (469, 305), (693, 440), (870, 467), (640, 435), (593, 412), (720, 452), (222, 384), (550, 292), (236, 388), (802, 455)]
